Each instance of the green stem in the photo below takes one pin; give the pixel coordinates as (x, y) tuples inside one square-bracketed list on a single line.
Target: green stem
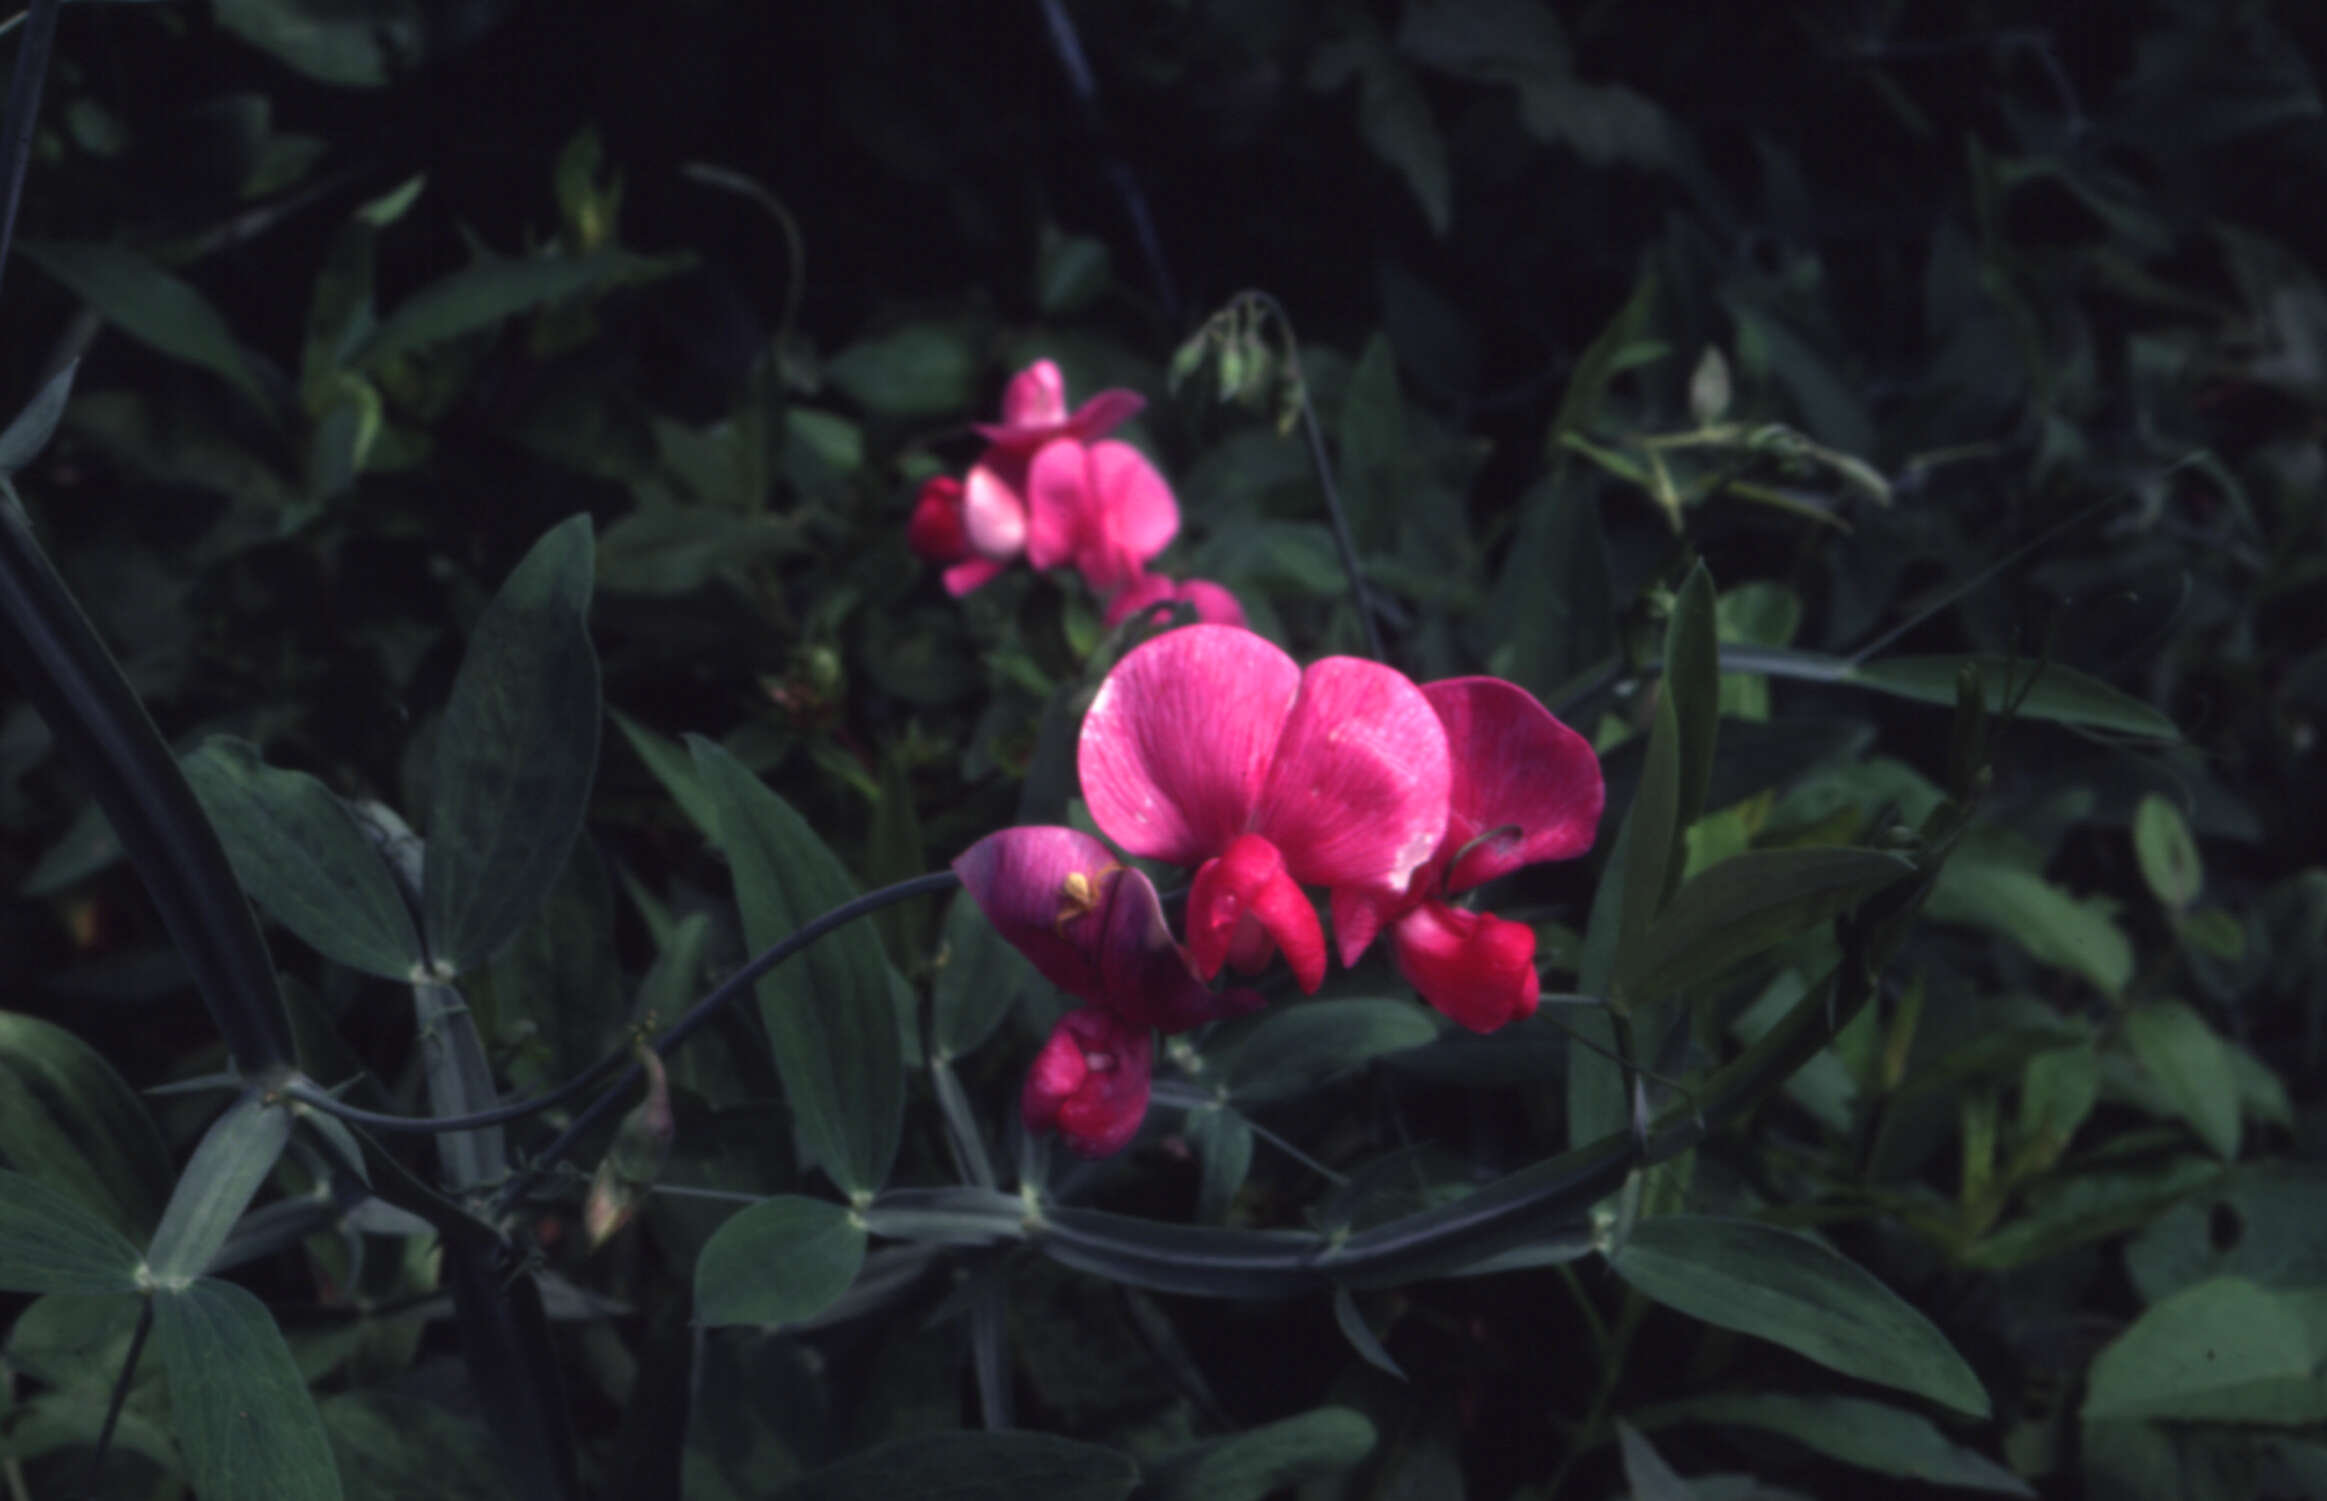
[(40, 36), (113, 1404)]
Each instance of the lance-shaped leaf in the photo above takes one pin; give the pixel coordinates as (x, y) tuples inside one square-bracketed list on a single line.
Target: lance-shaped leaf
[(1746, 905), (2060, 694), (234, 1158), (301, 854), (151, 306), (1692, 679), (1262, 1461), (67, 1119), (479, 296), (974, 1467), (50, 1244), (783, 1260), (515, 754), (1870, 1435), (1776, 1285), (829, 1018), (28, 431), (243, 1416)]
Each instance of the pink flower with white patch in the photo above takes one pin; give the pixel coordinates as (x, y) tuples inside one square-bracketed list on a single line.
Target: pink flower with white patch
[(1210, 747), (1090, 1081), (938, 533), (1524, 788), (1213, 603)]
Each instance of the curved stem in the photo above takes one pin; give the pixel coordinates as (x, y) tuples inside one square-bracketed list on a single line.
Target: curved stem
[(40, 36), (314, 1098), (113, 1404)]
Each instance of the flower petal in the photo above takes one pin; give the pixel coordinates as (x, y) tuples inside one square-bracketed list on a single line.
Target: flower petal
[(1179, 738), (1033, 884), (971, 574), (1058, 503), (1248, 885), (1104, 413), (1129, 516), (1474, 966), (935, 533), (1356, 794), (1514, 767), (1035, 397), (994, 506), (1091, 1081), (1147, 976), (1213, 602)]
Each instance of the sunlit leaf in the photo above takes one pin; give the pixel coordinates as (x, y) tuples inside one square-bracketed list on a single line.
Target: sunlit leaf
[(234, 1158)]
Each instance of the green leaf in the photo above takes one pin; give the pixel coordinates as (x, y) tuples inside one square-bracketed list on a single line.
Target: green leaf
[(1599, 364), (783, 1260), (67, 1119), (150, 305), (920, 370), (2222, 1351), (1553, 609), (2266, 1223), (674, 768), (1651, 841), (2061, 694), (829, 1019), (1776, 1285), (1870, 1435), (392, 1447), (50, 1244), (981, 978), (1070, 275), (1294, 1049), (1377, 458), (481, 295), (515, 754), (974, 1467), (2168, 855), (2078, 935), (1260, 1462), (234, 1158), (1692, 680), (1222, 1142), (300, 853), (239, 1406), (351, 43), (28, 431), (1646, 1474), (1746, 905), (2193, 1069)]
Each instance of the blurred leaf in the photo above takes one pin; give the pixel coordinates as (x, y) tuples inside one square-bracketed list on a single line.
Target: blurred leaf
[(781, 1261), (1646, 1475), (301, 855), (1553, 613), (665, 550), (87, 846), (1259, 1462), (1776, 1285), (2266, 1223), (2088, 1207), (1649, 843), (1376, 454), (1490, 41), (2168, 855), (28, 431), (515, 754), (150, 305), (674, 768), (2223, 1351), (68, 1120), (1360, 1334), (482, 294), (1222, 1141), (1980, 886), (1692, 680), (2061, 694), (1393, 116), (1293, 1049), (829, 1019), (2191, 1065), (982, 976), (1870, 1435), (974, 1467), (1071, 274), (351, 43), (234, 1159), (50, 1244), (1746, 905), (391, 1447), (1599, 364), (237, 1402), (920, 370)]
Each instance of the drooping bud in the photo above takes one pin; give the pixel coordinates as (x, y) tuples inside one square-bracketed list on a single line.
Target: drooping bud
[(642, 1145)]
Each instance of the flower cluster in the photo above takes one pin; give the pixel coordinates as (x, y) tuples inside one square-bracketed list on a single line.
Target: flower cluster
[(1054, 487), (1210, 748)]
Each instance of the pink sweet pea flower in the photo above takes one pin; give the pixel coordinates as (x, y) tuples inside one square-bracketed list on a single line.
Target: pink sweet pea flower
[(1524, 788), (1208, 746), (1100, 506), (1090, 1081), (1034, 411), (1213, 602), (938, 534)]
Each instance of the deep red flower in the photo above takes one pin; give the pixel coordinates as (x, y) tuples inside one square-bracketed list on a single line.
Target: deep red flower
[(1208, 746), (938, 533), (1090, 1081), (1213, 602)]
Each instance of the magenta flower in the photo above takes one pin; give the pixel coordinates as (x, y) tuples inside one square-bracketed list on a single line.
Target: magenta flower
[(1524, 788), (1213, 602), (1210, 747), (938, 533), (1090, 1081), (1034, 411), (1099, 506)]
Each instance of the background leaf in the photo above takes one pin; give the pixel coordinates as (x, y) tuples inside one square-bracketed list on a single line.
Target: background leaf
[(238, 1403), (781, 1261), (2223, 1350), (151, 306), (67, 1119), (50, 1244), (975, 1467)]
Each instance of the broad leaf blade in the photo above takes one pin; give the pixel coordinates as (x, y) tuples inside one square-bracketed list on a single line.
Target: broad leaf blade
[(301, 855), (830, 1021), (2192, 1066), (974, 1467), (67, 1119), (981, 977), (50, 1244), (2222, 1351), (515, 754), (783, 1260), (1747, 905), (235, 1157), (1773, 1284), (241, 1410), (1295, 1049)]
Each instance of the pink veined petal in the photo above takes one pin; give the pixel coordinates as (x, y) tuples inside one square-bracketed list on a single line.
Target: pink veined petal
[(1020, 878), (1356, 795), (1091, 1081), (1058, 503), (1476, 967), (971, 574), (1514, 766), (1035, 397), (1104, 413), (1177, 741), (1129, 516), (935, 533), (1147, 976), (1247, 889), (994, 506)]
